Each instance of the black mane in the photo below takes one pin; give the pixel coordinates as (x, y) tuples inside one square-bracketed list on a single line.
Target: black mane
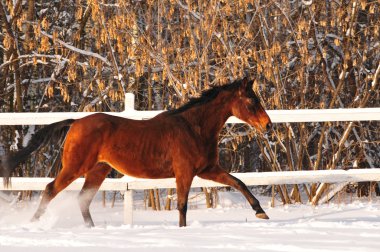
[(206, 96)]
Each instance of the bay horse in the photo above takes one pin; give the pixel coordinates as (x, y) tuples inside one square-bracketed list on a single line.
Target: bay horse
[(182, 143)]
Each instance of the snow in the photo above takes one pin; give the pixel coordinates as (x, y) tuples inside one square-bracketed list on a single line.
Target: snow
[(14, 145), (232, 226)]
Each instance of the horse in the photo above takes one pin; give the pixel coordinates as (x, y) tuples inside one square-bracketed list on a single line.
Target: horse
[(180, 143)]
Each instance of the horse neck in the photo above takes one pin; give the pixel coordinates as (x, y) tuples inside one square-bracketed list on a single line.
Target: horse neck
[(209, 118)]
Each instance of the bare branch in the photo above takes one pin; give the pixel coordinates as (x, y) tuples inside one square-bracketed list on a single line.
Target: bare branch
[(77, 50)]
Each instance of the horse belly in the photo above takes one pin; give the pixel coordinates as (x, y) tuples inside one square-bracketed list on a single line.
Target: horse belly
[(142, 169), (138, 158)]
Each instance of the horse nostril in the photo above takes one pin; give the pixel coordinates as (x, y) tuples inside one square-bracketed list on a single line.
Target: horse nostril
[(269, 126)]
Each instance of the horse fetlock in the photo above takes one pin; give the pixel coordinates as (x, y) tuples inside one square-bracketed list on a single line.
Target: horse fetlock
[(89, 223), (182, 219)]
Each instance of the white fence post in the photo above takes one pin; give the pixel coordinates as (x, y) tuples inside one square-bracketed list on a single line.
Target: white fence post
[(128, 207), (129, 101)]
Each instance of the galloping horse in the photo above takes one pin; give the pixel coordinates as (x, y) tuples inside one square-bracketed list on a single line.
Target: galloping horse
[(181, 143)]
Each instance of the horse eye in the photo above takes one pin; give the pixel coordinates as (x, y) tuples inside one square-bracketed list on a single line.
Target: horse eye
[(251, 101), (247, 100)]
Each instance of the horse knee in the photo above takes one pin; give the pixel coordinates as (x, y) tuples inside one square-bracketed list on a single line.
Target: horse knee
[(84, 200), (182, 207), (50, 190)]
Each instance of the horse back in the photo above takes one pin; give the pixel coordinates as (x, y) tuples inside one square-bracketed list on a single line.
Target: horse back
[(160, 147)]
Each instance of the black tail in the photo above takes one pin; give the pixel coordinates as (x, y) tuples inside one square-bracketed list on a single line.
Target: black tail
[(50, 133)]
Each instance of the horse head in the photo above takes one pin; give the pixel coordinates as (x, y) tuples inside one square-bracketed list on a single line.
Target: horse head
[(247, 107)]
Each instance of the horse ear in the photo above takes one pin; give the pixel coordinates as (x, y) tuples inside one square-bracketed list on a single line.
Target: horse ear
[(246, 84), (245, 81)]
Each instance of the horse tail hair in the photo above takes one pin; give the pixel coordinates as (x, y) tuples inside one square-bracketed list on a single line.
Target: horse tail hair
[(51, 133)]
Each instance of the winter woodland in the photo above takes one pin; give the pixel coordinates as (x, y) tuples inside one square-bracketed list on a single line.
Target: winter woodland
[(84, 55)]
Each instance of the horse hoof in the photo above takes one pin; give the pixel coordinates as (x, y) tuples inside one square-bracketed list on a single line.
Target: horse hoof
[(262, 216), (89, 225)]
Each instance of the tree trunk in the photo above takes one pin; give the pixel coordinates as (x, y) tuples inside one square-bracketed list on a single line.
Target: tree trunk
[(168, 199), (208, 198), (158, 204), (152, 199)]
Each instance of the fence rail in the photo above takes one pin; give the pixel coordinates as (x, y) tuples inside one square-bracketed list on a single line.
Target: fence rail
[(277, 116), (249, 178), (129, 184)]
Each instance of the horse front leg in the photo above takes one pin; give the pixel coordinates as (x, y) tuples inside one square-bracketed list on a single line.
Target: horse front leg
[(183, 189), (219, 175)]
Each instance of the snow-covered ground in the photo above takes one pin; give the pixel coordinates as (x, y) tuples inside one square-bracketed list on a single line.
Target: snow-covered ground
[(230, 227)]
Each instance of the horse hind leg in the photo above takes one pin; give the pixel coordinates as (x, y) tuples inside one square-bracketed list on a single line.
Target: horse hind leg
[(183, 189), (63, 179), (93, 179)]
